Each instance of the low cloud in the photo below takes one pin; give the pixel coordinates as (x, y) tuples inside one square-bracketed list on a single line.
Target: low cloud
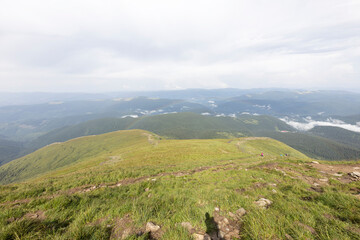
[(330, 122)]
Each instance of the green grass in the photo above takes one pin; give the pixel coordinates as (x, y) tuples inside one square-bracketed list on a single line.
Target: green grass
[(214, 173)]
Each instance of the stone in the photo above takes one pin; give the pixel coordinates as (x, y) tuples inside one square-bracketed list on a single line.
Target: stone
[(240, 212), (288, 237), (217, 209), (315, 162), (147, 189), (316, 184), (263, 202), (221, 234), (337, 174), (187, 225), (356, 168), (232, 215), (274, 191), (197, 236), (151, 227), (354, 175), (323, 179), (118, 185)]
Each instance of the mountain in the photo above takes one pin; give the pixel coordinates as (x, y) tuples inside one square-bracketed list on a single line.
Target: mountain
[(337, 134), (315, 146), (9, 150), (293, 103), (136, 185), (176, 125), (196, 126), (26, 122)]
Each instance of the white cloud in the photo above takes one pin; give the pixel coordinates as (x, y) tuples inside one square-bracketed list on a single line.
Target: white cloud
[(310, 124), (137, 45)]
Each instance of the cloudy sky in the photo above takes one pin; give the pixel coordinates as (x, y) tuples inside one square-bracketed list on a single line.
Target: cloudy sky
[(115, 45)]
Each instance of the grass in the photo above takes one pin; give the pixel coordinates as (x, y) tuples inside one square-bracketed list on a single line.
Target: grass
[(180, 181)]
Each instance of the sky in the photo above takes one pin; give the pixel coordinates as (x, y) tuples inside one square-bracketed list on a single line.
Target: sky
[(137, 45)]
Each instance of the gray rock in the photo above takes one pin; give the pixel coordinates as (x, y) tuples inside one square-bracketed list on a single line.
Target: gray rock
[(355, 175), (151, 227), (187, 225), (240, 212), (263, 202), (197, 236)]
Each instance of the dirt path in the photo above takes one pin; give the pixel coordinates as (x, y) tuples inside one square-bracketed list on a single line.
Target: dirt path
[(151, 139)]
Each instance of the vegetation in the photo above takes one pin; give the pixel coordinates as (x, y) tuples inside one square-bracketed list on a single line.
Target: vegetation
[(315, 146), (176, 126), (337, 134), (88, 187), (9, 150)]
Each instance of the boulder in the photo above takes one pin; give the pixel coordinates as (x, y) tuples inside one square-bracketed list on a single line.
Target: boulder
[(263, 202), (151, 227), (355, 175)]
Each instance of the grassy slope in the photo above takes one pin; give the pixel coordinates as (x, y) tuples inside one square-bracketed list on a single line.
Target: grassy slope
[(316, 146), (178, 126), (185, 180), (195, 126)]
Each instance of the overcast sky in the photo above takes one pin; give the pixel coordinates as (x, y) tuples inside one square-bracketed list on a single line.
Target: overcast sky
[(116, 45)]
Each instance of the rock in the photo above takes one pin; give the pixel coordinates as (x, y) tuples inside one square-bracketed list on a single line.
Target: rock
[(316, 184), (151, 227), (217, 209), (356, 168), (147, 189), (355, 175), (337, 174), (315, 162), (288, 237), (274, 191), (197, 236), (263, 202), (232, 215), (118, 185), (240, 212), (187, 225), (221, 234), (323, 179)]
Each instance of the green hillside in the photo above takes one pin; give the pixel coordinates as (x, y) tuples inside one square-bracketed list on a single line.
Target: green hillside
[(177, 126), (112, 186), (196, 126), (315, 146), (9, 150), (133, 143), (341, 135)]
